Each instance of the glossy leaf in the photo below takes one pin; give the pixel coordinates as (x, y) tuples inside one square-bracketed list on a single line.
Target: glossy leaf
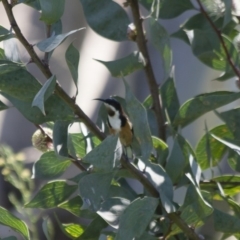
[(54, 41), (48, 228), (217, 149), (182, 35), (231, 117), (195, 208), (5, 34), (162, 150), (32, 3), (226, 223), (44, 93), (142, 209), (49, 166), (161, 41), (52, 194), (106, 18), (161, 181), (73, 230), (60, 138), (55, 109), (20, 88), (77, 145), (72, 57), (234, 160), (8, 219), (94, 229), (137, 114), (3, 106), (73, 206), (126, 65), (112, 209), (94, 189), (230, 184), (105, 156), (173, 8), (169, 97), (176, 162), (52, 10), (203, 103)]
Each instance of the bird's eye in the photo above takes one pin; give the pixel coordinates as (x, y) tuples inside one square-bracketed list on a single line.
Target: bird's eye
[(110, 112)]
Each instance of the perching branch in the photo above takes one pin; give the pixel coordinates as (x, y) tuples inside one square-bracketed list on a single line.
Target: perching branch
[(152, 83), (219, 34), (47, 73)]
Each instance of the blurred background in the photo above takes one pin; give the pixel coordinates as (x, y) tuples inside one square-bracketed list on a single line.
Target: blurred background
[(191, 76)]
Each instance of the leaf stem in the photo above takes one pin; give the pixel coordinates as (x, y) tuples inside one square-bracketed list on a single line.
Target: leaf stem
[(152, 83), (47, 73), (219, 34)]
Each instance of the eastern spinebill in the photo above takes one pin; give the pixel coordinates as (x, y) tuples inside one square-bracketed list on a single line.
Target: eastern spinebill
[(118, 121)]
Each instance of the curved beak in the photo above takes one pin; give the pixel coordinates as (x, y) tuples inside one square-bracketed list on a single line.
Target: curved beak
[(100, 99)]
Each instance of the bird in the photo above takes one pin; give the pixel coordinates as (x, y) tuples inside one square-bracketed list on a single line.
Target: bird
[(118, 121)]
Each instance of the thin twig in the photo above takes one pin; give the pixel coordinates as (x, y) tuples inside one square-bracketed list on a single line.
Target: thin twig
[(152, 83), (47, 73), (48, 33), (221, 39)]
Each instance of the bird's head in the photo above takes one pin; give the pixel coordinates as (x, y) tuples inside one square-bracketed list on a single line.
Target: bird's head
[(113, 106)]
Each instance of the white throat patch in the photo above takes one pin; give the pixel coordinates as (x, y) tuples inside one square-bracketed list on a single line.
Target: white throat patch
[(114, 120)]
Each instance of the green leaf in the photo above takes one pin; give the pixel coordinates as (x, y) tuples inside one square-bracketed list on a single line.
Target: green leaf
[(182, 35), (52, 10), (94, 229), (227, 12), (217, 149), (121, 192), (72, 57), (161, 41), (142, 209), (44, 93), (173, 8), (2, 55), (195, 209), (49, 166), (20, 88), (112, 209), (229, 183), (162, 150), (3, 106), (231, 117), (8, 219), (94, 188), (126, 65), (73, 206), (226, 223), (203, 103), (7, 66), (106, 155), (55, 109), (162, 182), (169, 96), (19, 84), (138, 116), (225, 76), (48, 228), (176, 162), (52, 194), (54, 41), (73, 230), (234, 160), (60, 138), (106, 18), (77, 145), (5, 34), (32, 3), (9, 238)]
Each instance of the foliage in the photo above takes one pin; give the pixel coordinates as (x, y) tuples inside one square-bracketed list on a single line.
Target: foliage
[(100, 192)]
